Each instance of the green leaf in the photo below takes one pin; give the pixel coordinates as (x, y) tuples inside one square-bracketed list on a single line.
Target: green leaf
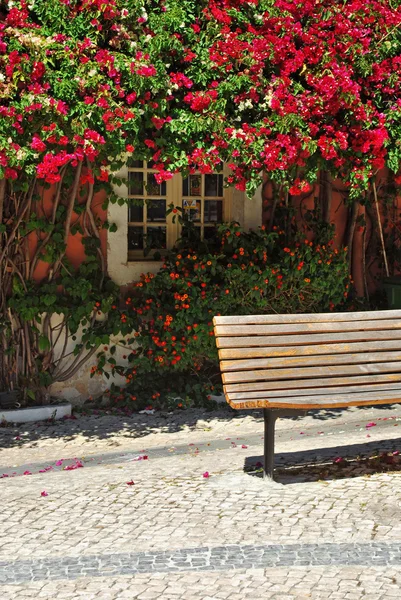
[(44, 343)]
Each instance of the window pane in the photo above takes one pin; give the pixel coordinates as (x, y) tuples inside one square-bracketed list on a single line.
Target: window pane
[(211, 185), (191, 234), (214, 185), (135, 238), (210, 235), (135, 213), (156, 237), (195, 185), (135, 164), (220, 186), (154, 188), (136, 183), (156, 210), (192, 209), (213, 211)]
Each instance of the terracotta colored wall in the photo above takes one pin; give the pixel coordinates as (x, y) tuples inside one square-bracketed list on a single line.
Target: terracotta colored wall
[(339, 217), (75, 250)]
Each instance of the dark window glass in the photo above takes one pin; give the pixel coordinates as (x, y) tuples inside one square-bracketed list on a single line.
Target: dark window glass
[(156, 210), (135, 238), (214, 185), (211, 185), (135, 213), (210, 233), (220, 186), (135, 164), (156, 237), (195, 185), (154, 188), (213, 211), (136, 183), (191, 234)]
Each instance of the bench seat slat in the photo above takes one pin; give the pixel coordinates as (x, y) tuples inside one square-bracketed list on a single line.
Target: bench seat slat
[(319, 402), (378, 389), (247, 330), (306, 361), (307, 318), (304, 372), (311, 350), (290, 385), (302, 340)]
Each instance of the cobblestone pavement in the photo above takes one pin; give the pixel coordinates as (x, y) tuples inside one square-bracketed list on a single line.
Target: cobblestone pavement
[(105, 523)]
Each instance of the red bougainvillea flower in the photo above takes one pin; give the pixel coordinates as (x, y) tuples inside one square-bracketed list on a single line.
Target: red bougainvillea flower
[(77, 465)]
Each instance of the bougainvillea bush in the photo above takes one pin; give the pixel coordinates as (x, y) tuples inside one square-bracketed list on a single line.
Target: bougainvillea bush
[(173, 351), (272, 87)]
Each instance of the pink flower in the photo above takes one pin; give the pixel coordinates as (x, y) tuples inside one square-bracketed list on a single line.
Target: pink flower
[(103, 175), (131, 98), (146, 71), (27, 473), (44, 493), (206, 474), (59, 462), (370, 425), (244, 446), (77, 465), (10, 173), (37, 144)]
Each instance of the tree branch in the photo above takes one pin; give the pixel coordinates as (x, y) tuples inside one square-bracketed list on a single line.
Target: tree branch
[(70, 209), (379, 223)]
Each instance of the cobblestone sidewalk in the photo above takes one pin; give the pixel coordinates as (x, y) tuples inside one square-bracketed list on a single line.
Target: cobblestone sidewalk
[(195, 520)]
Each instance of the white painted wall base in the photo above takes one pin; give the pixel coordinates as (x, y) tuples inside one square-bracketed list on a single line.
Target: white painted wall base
[(36, 413)]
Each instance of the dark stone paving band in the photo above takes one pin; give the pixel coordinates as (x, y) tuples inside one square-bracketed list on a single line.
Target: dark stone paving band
[(201, 559)]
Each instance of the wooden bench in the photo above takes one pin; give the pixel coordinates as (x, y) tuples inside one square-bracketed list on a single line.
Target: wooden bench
[(289, 364)]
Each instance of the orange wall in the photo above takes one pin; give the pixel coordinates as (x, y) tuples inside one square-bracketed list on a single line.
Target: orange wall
[(75, 252), (339, 216)]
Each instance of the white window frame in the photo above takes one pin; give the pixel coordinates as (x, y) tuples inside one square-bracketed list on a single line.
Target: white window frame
[(123, 271)]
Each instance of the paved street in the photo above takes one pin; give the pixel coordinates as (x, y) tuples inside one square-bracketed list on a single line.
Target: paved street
[(172, 506)]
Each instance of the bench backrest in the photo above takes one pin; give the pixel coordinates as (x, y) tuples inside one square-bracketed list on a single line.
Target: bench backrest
[(294, 356)]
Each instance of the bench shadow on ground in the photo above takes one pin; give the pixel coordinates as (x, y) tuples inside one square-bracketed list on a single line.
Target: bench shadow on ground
[(326, 464), (101, 424)]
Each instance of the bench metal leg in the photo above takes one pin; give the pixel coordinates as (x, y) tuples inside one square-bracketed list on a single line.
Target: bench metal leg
[(270, 417)]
